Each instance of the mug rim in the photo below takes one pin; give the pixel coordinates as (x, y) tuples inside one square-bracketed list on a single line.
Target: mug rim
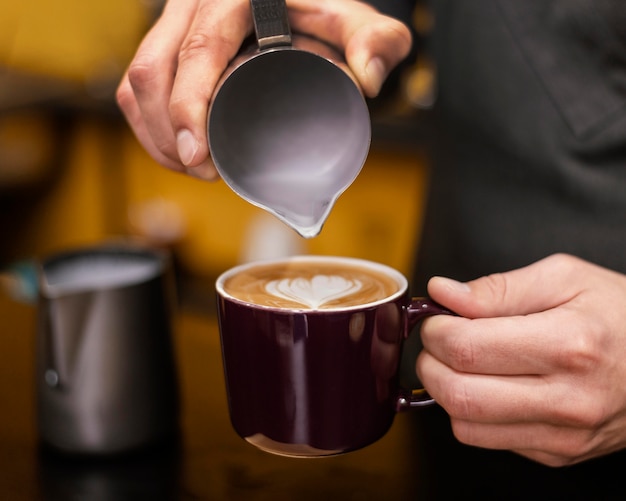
[(396, 275)]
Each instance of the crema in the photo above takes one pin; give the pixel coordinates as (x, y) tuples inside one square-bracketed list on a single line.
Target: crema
[(310, 284)]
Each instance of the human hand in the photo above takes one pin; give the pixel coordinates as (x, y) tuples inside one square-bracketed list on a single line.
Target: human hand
[(165, 93), (536, 363)]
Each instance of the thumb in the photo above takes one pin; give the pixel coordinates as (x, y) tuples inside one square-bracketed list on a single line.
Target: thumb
[(374, 49), (538, 287), (373, 43)]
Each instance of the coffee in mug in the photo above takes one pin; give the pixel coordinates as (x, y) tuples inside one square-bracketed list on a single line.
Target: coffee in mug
[(311, 349), (311, 284)]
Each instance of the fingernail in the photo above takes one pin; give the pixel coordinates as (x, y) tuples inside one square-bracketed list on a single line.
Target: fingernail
[(453, 285), (187, 146), (376, 72), (205, 171)]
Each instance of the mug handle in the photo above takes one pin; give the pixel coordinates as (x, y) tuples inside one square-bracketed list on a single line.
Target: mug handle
[(271, 24), (418, 309)]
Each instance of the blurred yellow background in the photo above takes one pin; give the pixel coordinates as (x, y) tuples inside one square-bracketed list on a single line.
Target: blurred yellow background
[(72, 173)]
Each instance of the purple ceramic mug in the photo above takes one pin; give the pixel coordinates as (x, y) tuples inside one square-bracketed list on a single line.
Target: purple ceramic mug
[(311, 348)]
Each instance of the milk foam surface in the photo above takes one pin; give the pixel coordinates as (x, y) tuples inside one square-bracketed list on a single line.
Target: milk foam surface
[(315, 284)]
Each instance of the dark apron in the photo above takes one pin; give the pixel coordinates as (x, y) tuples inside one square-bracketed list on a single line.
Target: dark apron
[(529, 159), (530, 155)]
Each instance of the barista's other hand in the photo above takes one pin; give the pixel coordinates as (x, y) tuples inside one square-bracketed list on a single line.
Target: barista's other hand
[(166, 91), (536, 363)]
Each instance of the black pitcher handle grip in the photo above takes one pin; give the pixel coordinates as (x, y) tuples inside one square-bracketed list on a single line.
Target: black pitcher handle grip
[(271, 23)]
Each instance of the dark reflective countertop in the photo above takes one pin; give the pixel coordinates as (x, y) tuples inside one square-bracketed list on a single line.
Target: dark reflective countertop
[(417, 459)]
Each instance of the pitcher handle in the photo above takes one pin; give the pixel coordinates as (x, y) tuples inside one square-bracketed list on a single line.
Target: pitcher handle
[(271, 23)]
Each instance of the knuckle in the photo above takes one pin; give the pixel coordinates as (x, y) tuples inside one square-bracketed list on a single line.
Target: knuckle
[(458, 402), (571, 450), (124, 96), (580, 352), (582, 415), (587, 416), (390, 29), (199, 45), (462, 353), (562, 260), (564, 265), (497, 287), (142, 72), (192, 45)]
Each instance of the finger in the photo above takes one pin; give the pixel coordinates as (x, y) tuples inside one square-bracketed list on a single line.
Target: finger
[(558, 460), (212, 41), (373, 44), (545, 443), (512, 399), (541, 344), (478, 398), (548, 444), (151, 75), (130, 108), (538, 287)]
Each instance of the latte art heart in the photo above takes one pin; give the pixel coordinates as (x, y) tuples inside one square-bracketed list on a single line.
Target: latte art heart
[(314, 292)]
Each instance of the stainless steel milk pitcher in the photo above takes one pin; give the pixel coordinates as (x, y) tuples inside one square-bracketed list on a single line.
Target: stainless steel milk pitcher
[(106, 375)]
